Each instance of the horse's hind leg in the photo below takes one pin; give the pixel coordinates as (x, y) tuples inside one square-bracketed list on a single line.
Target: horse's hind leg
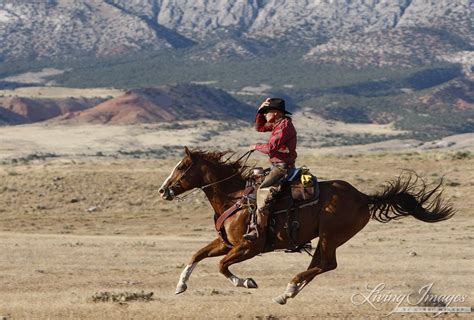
[(213, 249), (323, 260), (235, 255)]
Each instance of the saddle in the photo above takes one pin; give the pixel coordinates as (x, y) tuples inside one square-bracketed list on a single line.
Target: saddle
[(299, 182), (300, 186), (300, 189)]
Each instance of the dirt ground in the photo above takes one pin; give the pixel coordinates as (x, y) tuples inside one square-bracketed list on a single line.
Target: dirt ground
[(72, 227)]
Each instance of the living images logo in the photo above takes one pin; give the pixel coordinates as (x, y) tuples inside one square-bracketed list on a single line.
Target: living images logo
[(421, 301)]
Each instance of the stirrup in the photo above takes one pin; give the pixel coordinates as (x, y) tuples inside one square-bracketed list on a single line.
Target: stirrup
[(307, 247), (251, 235)]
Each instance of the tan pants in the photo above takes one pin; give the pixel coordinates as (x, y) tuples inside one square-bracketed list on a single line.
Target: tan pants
[(262, 214), (273, 179)]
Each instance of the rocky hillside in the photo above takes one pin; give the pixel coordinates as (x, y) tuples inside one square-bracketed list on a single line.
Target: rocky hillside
[(66, 28), (459, 93), (429, 112), (400, 47), (20, 110), (148, 105), (163, 104)]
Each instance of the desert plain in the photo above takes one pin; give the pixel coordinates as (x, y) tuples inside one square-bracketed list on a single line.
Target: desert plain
[(81, 218)]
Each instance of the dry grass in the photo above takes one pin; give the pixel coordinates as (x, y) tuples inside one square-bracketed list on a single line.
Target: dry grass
[(72, 140), (56, 254)]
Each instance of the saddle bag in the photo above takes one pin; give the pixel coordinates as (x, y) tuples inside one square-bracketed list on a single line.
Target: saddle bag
[(305, 187), (301, 191)]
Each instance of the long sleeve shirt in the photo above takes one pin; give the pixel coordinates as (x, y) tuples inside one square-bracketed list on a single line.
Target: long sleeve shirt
[(281, 146)]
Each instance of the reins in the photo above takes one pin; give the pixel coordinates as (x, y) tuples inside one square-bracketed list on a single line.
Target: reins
[(248, 153)]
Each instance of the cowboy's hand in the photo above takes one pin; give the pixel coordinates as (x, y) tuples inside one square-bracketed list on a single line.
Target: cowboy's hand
[(253, 147), (265, 103)]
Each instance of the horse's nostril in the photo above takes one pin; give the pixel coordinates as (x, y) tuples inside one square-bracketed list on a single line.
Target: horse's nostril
[(161, 191)]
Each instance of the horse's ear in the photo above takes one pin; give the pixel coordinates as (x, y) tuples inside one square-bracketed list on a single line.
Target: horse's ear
[(187, 151)]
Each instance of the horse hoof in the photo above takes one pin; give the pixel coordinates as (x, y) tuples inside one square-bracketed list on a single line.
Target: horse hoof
[(181, 288), (249, 283), (280, 300)]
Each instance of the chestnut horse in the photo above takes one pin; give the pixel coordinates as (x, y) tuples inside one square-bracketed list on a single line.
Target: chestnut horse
[(341, 212)]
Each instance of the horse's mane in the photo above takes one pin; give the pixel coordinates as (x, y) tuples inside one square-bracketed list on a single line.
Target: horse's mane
[(216, 157)]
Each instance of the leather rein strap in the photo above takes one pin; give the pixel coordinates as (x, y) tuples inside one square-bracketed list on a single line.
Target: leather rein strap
[(233, 209)]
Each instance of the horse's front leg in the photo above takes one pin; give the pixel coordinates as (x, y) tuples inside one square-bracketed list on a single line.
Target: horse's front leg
[(214, 249), (237, 254)]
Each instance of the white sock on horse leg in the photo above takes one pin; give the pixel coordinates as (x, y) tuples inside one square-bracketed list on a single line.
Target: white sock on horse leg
[(236, 281), (187, 273)]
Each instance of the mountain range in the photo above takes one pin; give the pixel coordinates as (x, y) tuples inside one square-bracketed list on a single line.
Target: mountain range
[(391, 31), (406, 62)]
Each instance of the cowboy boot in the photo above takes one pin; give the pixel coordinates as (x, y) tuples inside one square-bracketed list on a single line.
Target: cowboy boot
[(265, 198), (260, 220)]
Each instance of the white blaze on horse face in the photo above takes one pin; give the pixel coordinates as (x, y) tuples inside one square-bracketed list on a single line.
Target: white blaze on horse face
[(169, 177)]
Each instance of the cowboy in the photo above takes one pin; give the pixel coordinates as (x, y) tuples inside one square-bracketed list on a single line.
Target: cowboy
[(281, 149)]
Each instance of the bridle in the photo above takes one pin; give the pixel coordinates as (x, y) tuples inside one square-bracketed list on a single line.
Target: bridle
[(178, 181)]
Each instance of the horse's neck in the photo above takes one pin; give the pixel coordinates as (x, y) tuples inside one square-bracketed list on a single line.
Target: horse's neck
[(224, 195)]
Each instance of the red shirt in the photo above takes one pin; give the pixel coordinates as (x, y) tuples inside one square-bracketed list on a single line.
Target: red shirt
[(281, 146)]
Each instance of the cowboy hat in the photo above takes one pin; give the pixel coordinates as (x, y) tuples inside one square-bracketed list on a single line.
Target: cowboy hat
[(274, 104)]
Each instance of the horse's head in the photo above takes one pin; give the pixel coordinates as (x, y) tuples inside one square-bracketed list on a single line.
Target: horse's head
[(185, 176)]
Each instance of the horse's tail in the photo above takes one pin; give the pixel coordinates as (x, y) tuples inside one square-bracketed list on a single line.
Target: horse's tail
[(410, 195)]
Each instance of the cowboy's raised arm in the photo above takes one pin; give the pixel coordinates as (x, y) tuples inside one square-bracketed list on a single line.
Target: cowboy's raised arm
[(261, 124)]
